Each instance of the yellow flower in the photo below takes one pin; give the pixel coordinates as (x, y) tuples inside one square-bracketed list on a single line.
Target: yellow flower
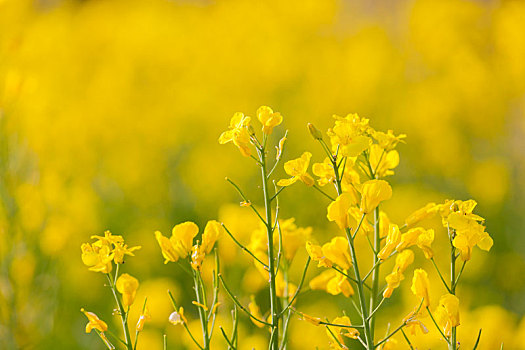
[(393, 280), (420, 286), (420, 237), (413, 324), (336, 333), (177, 317), (390, 344), (366, 227), (168, 250), (268, 119), (293, 237), (338, 252), (109, 238), (197, 257), (316, 253), (212, 232), (127, 285), (332, 282), (316, 321), (122, 249), (347, 135), (388, 140), (381, 163), (282, 289), (98, 256), (392, 240), (421, 214), (297, 168), (338, 210), (384, 224), (144, 316), (469, 232), (447, 313), (94, 322), (256, 312), (373, 193), (324, 171), (182, 235), (238, 133)]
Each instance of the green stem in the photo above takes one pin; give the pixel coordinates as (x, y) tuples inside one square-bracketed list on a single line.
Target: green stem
[(274, 302), (375, 273), (360, 290), (441, 276), (453, 342), (202, 313), (124, 319)]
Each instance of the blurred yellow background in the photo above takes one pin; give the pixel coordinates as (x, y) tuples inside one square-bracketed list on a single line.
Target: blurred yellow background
[(111, 111)]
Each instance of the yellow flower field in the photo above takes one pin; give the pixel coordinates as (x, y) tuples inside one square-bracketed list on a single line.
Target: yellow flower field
[(316, 174)]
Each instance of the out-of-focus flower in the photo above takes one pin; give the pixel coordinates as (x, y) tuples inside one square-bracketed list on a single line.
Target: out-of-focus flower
[(293, 237), (373, 193), (256, 312), (333, 283), (94, 322), (348, 135), (447, 313), (127, 285), (420, 286), (238, 133), (413, 323), (268, 118), (298, 169)]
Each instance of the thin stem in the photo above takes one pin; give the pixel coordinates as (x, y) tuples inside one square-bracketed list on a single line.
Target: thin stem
[(349, 277), (246, 199), (453, 257), (438, 328), (372, 313), (237, 302), (375, 274), (137, 331), (122, 313), (277, 193), (459, 274), (174, 304), (407, 340), (202, 313), (230, 345), (298, 288), (323, 192), (243, 247), (440, 275), (274, 302)]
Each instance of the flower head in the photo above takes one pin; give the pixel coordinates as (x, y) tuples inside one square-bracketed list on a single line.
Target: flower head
[(338, 210), (348, 135), (268, 118), (127, 285), (447, 313), (420, 286), (212, 232), (238, 133), (373, 193), (298, 170), (94, 322)]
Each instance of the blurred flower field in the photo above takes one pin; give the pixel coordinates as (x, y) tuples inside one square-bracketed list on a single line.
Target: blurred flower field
[(110, 115)]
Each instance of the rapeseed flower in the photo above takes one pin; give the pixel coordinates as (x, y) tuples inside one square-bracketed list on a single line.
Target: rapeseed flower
[(421, 285), (127, 285), (238, 133), (298, 170), (447, 313), (374, 192), (268, 118)]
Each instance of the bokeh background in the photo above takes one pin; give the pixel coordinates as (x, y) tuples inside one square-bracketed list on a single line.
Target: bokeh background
[(111, 110)]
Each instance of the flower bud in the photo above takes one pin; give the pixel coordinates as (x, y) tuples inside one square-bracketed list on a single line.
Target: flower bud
[(316, 133)]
